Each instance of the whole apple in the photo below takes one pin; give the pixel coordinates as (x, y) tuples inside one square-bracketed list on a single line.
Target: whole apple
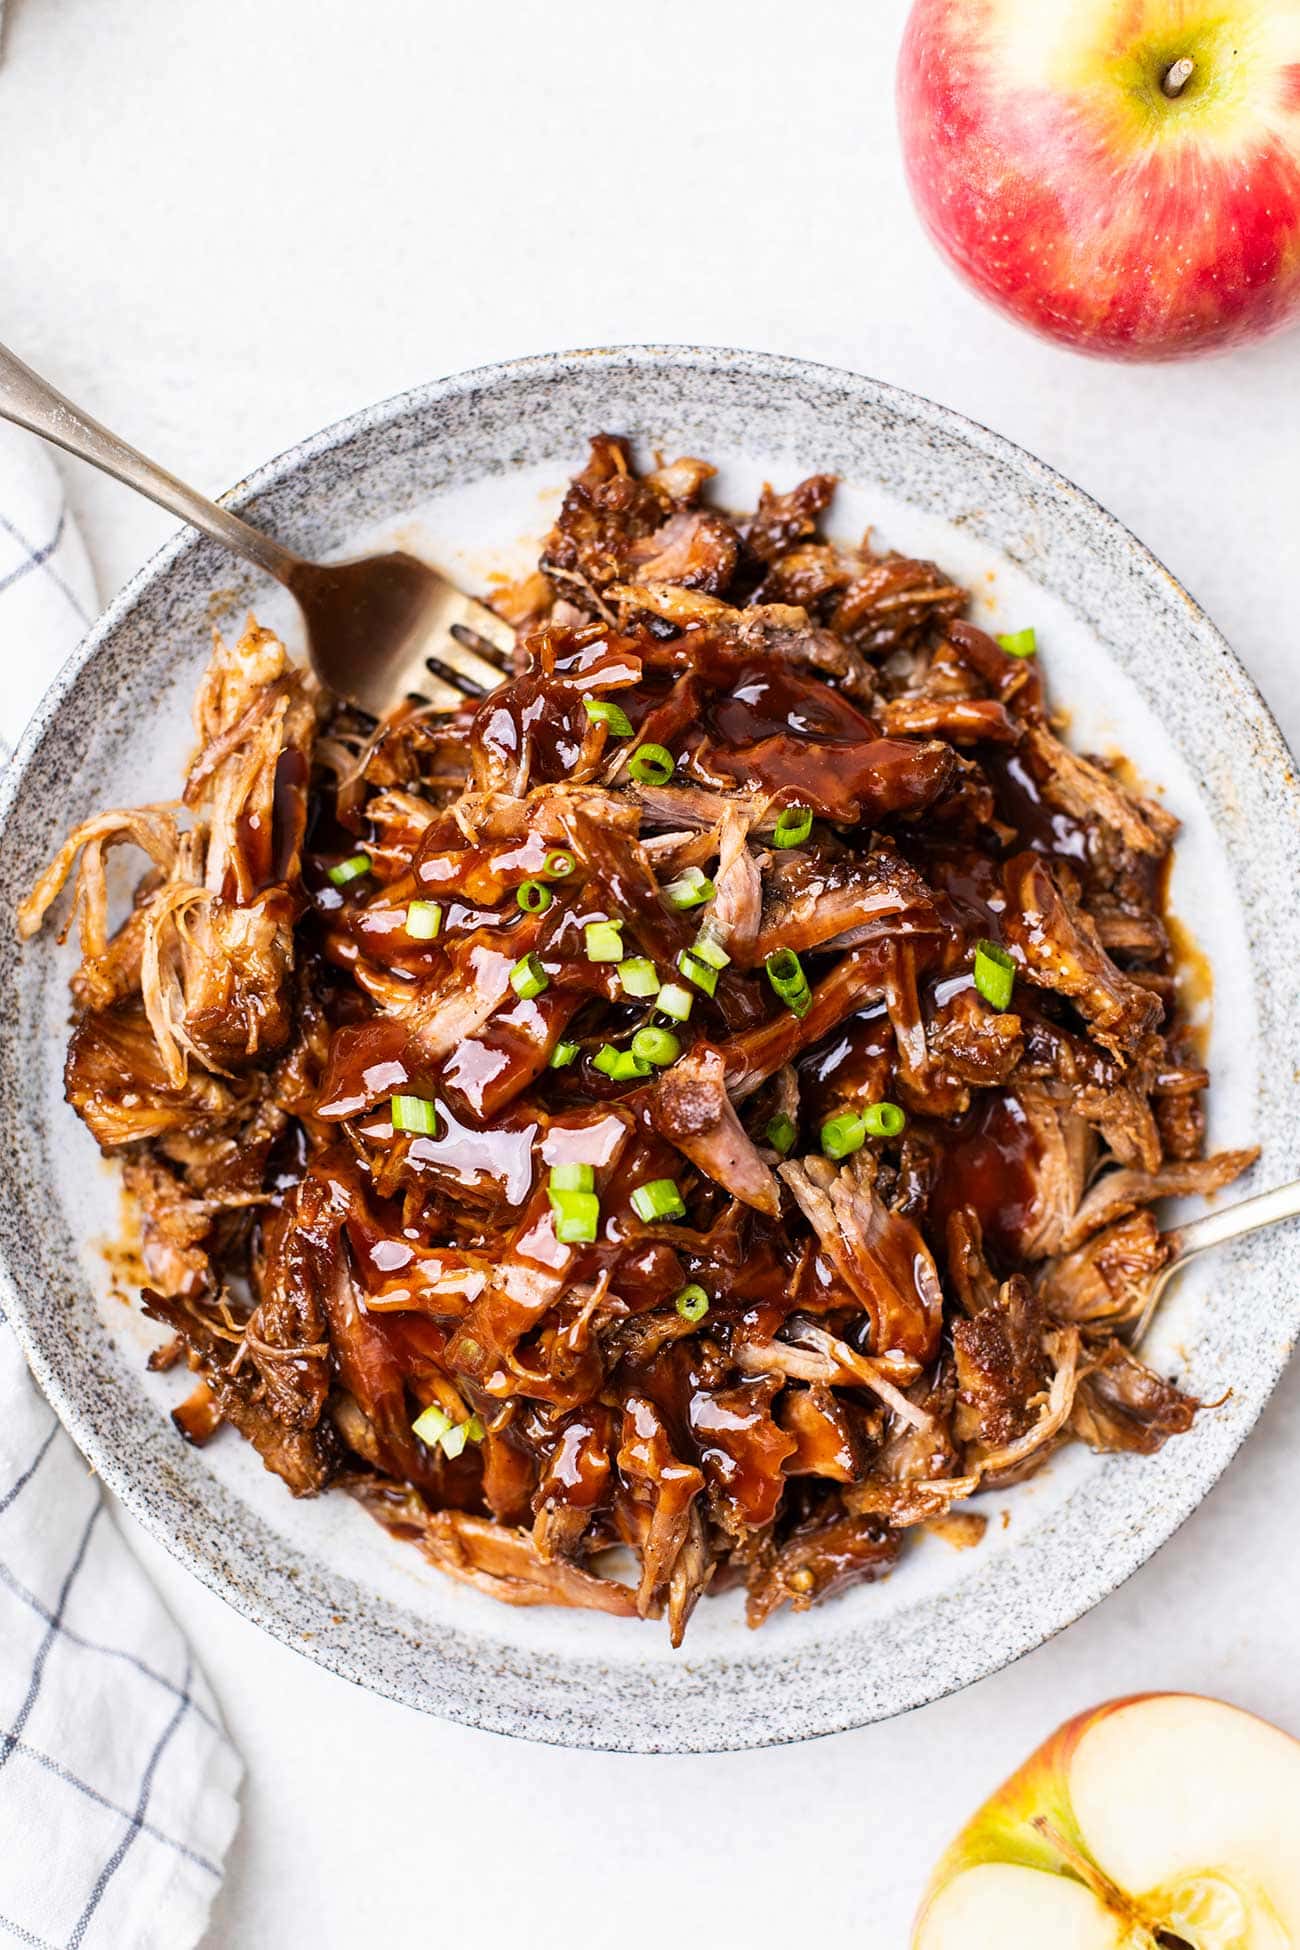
[(1120, 175)]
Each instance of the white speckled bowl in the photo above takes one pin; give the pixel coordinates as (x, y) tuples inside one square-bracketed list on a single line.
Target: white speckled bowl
[(467, 469)]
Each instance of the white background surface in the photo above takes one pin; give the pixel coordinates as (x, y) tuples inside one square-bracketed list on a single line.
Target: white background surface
[(225, 225)]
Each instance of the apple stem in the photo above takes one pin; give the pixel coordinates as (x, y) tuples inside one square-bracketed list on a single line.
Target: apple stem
[(1099, 1883), (1177, 77)]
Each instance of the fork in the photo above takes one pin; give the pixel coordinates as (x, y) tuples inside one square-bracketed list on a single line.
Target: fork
[(1215, 1229), (380, 629)]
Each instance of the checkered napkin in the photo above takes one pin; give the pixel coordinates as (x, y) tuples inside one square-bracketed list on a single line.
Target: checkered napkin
[(117, 1781)]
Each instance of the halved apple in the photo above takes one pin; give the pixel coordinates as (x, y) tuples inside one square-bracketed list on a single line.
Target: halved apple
[(1161, 1819)]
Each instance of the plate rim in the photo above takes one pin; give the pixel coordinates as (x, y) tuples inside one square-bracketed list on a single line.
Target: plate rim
[(295, 459)]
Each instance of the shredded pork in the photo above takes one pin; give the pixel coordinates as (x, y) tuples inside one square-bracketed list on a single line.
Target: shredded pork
[(446, 1208)]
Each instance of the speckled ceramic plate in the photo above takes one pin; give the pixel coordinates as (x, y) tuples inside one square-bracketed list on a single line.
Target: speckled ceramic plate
[(468, 470)]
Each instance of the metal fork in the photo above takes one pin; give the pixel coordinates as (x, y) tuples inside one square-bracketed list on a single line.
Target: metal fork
[(1215, 1229), (381, 629)]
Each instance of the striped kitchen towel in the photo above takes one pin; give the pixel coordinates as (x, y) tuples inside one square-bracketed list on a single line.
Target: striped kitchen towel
[(117, 1781)]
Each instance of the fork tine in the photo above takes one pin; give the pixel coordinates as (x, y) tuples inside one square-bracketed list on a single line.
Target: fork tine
[(461, 651), (493, 630), (459, 680)]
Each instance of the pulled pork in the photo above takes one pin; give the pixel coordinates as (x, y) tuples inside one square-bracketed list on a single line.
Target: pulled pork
[(487, 1172)]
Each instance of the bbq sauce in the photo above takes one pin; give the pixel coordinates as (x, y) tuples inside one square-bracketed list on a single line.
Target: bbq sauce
[(989, 1164)]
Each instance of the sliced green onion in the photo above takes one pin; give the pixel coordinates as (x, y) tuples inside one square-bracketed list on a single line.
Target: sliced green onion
[(659, 1198), (781, 1133), (620, 1064), (534, 896), (785, 973), (657, 1046), (639, 977), (690, 889), (651, 765), (571, 1178), (843, 1135), (528, 978), (431, 1425), (563, 1054), (437, 1429), (415, 1114), (558, 865), (995, 974), (675, 1001), (575, 1216), (884, 1120), (710, 950), (696, 971), (350, 869), (692, 1303), (793, 826), (1022, 643), (454, 1441), (424, 920), (612, 716), (604, 940)]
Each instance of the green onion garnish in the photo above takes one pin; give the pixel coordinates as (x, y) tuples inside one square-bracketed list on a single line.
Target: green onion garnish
[(534, 896), (658, 1199), (785, 973), (638, 977), (1022, 643), (651, 765), (612, 716), (843, 1135), (711, 951), (620, 1064), (437, 1429), (696, 971), (793, 826), (431, 1425), (575, 1216), (350, 869), (571, 1178), (884, 1120), (558, 865), (528, 978), (423, 920), (454, 1441), (675, 1001), (781, 1133), (657, 1046), (604, 940), (692, 1303), (414, 1114), (995, 974), (690, 889), (562, 1055)]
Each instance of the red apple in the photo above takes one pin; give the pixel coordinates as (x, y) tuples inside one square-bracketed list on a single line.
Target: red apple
[(1122, 175)]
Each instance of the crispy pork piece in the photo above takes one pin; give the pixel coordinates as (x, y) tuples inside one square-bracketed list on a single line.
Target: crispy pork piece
[(1121, 1404), (820, 1558), (1056, 945), (690, 1107)]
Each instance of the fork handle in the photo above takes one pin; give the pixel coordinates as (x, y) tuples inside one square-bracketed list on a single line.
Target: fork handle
[(32, 402), (1232, 1221)]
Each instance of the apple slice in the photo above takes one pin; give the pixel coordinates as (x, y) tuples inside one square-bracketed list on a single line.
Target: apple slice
[(1162, 1818), (1001, 1906)]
